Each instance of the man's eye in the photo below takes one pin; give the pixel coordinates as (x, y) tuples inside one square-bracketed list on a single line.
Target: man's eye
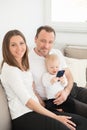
[(44, 41), (50, 42), (22, 43)]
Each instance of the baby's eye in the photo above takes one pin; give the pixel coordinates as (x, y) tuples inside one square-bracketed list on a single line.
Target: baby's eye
[(51, 67)]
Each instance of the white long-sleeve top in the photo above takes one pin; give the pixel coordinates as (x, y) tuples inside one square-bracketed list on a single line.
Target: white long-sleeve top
[(52, 89), (18, 88), (38, 67)]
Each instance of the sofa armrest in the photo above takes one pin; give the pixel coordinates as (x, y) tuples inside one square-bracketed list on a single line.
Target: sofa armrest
[(5, 119)]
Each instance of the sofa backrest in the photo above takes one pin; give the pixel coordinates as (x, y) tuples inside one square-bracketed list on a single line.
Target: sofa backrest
[(76, 58), (5, 119), (76, 51)]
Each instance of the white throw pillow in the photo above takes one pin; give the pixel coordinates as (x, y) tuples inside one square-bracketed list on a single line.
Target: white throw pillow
[(78, 70)]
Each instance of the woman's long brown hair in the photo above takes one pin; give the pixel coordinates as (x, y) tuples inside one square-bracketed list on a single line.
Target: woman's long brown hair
[(7, 56)]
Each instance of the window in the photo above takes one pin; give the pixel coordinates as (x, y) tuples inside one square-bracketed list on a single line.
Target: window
[(67, 15)]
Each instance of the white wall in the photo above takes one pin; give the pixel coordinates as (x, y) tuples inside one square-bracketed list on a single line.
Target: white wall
[(25, 15), (70, 38), (67, 33)]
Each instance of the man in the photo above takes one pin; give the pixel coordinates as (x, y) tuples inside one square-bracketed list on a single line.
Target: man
[(44, 39)]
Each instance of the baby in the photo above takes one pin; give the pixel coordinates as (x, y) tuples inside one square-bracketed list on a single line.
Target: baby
[(51, 82)]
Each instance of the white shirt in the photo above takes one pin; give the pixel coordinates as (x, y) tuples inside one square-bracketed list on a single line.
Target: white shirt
[(37, 67), (18, 87), (52, 89)]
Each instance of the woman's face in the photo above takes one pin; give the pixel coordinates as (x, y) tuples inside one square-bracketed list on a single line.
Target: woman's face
[(17, 47)]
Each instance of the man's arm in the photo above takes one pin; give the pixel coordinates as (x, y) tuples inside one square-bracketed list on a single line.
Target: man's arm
[(62, 95), (69, 77)]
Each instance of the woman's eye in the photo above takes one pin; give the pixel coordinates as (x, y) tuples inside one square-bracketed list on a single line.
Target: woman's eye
[(12, 44)]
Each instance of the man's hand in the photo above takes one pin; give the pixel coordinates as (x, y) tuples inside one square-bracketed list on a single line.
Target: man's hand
[(61, 97)]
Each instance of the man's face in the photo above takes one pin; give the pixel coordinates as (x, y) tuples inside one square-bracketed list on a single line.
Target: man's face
[(44, 42)]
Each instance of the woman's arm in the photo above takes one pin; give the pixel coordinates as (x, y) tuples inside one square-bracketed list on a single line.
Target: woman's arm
[(38, 96), (40, 109)]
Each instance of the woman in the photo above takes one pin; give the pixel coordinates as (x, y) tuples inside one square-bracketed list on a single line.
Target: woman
[(26, 111)]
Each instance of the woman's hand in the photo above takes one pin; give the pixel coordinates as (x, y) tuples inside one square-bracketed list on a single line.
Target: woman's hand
[(66, 121)]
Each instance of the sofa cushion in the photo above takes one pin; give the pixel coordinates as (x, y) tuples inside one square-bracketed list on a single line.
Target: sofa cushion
[(78, 70), (76, 51), (5, 119)]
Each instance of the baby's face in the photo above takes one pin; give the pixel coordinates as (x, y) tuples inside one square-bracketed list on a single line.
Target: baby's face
[(53, 67)]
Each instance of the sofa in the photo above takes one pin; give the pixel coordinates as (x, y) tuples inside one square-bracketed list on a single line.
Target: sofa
[(76, 58), (5, 119)]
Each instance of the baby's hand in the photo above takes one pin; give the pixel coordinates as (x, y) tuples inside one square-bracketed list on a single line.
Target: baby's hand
[(54, 79), (62, 80)]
